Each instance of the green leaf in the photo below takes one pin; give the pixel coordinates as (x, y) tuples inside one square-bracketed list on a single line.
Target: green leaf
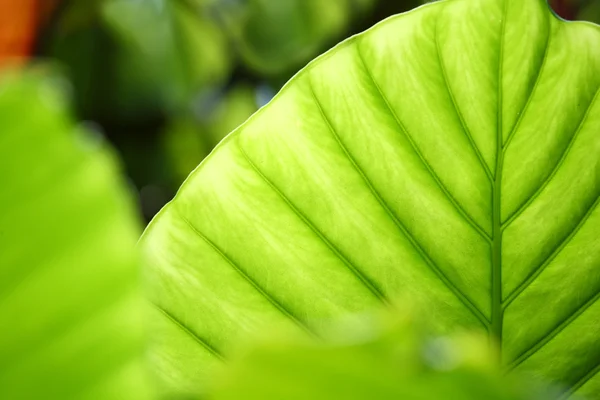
[(70, 309), (449, 155), (371, 358)]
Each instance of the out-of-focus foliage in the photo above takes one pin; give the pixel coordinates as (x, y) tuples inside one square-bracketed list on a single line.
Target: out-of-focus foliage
[(278, 36), (590, 11), (70, 308), (380, 358), (181, 49), (151, 72), (191, 137), (154, 55), (587, 10)]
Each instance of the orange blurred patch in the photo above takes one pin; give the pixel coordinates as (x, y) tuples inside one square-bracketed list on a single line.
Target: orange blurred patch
[(19, 23)]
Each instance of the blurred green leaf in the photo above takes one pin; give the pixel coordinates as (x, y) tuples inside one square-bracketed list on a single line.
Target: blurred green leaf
[(87, 56), (181, 54), (274, 37), (438, 156), (237, 105), (370, 358), (70, 309), (123, 70), (590, 11), (79, 14), (185, 146)]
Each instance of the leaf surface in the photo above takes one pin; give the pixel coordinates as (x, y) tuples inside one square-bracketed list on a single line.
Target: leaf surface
[(449, 155)]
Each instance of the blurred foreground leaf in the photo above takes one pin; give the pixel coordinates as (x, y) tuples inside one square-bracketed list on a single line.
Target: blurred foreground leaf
[(70, 309), (371, 358)]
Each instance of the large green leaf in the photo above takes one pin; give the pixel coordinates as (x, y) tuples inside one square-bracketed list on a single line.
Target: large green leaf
[(449, 155), (69, 304)]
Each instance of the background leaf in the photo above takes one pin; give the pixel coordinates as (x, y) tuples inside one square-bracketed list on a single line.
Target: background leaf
[(276, 36), (183, 53)]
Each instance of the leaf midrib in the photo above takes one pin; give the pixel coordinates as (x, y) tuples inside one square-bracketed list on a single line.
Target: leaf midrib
[(496, 306), (498, 226)]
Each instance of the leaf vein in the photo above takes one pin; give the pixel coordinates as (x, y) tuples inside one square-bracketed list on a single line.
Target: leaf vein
[(556, 168), (462, 297), (465, 127), (537, 271), (288, 313), (535, 85), (370, 285), (584, 379), (553, 333), (433, 174), (203, 342)]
